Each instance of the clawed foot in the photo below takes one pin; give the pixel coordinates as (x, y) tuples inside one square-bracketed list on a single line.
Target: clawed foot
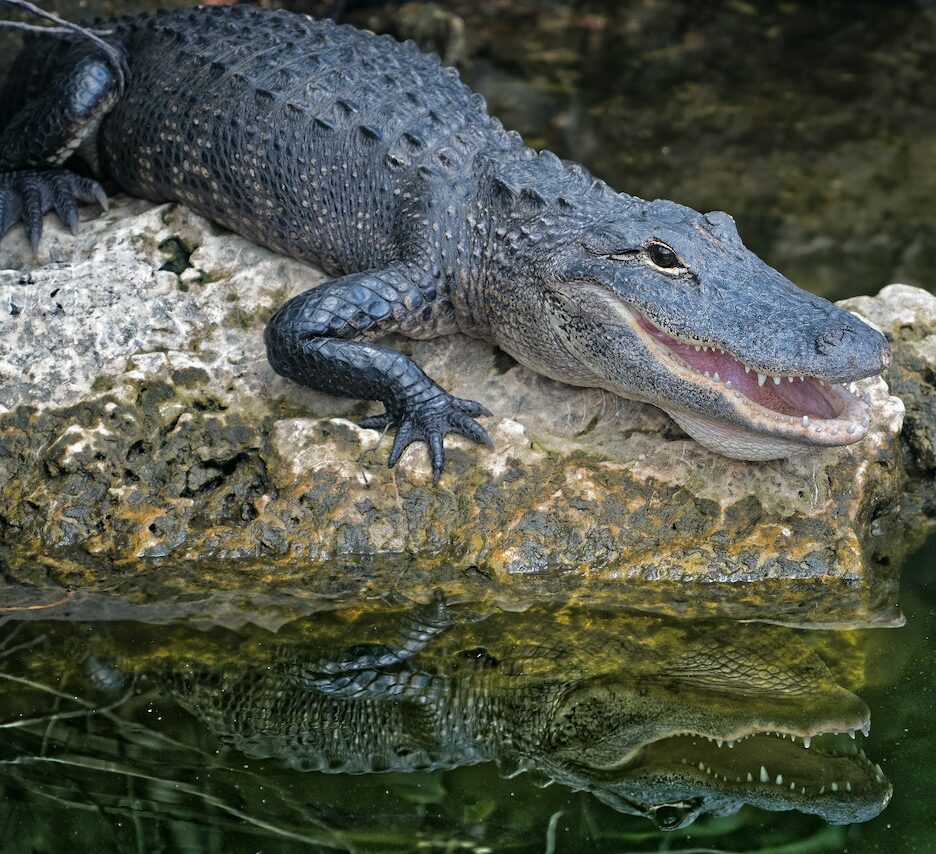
[(430, 423), (28, 194)]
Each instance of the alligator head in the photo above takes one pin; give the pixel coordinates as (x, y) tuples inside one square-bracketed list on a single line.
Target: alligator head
[(740, 715), (659, 303)]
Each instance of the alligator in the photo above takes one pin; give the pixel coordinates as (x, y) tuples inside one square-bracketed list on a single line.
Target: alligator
[(365, 157), (658, 718)]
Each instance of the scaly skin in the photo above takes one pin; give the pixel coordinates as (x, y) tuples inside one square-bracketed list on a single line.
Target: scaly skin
[(626, 708), (369, 159)]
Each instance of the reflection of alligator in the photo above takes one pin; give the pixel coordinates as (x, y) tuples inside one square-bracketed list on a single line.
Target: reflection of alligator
[(343, 148), (655, 718)]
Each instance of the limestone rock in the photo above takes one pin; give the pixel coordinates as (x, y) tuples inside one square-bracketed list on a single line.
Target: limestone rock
[(141, 425)]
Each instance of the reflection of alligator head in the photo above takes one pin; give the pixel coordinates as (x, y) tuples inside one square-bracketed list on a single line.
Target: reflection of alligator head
[(655, 718)]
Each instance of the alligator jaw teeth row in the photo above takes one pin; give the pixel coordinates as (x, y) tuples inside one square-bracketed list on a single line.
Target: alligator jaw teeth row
[(851, 388), (807, 739), (764, 777)]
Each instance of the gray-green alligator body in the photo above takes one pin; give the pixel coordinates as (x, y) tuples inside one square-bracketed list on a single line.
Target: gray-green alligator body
[(363, 156)]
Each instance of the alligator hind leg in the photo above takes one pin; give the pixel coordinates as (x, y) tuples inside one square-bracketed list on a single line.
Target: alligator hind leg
[(45, 132), (308, 340)]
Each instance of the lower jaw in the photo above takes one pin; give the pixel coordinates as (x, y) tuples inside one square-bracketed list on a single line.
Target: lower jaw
[(738, 443)]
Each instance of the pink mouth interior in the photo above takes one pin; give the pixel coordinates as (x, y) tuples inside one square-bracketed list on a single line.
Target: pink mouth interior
[(800, 397)]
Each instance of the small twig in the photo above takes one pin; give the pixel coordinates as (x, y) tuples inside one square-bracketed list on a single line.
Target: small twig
[(113, 54), (55, 31)]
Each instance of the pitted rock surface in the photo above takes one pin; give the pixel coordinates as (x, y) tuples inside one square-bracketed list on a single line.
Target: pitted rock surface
[(141, 421)]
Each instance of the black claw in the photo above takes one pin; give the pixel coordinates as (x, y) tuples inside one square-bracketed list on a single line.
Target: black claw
[(472, 407), (64, 203), (403, 439), (26, 196), (474, 431), (431, 424), (10, 210), (376, 422), (437, 453)]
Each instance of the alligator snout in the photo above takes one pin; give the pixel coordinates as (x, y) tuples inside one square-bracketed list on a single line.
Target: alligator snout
[(860, 349)]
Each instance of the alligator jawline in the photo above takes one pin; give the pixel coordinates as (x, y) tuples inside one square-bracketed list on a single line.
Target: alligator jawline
[(768, 760), (761, 760), (799, 405)]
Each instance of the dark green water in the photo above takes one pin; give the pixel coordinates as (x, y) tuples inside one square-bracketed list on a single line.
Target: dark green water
[(549, 730)]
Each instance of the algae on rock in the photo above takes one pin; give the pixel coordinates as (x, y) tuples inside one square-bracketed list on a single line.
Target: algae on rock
[(139, 420)]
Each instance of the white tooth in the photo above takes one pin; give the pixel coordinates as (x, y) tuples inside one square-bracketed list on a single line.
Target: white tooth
[(776, 380), (803, 790), (802, 379), (761, 379), (731, 744), (792, 787), (763, 775), (879, 769), (847, 786), (852, 735), (697, 348), (708, 770), (716, 377), (834, 787), (719, 742), (747, 370), (822, 790), (790, 379), (706, 373), (866, 730), (805, 420), (750, 779), (705, 349), (729, 384), (779, 780), (701, 766), (806, 741)]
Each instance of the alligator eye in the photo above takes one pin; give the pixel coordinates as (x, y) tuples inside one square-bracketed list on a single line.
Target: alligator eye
[(662, 256), (667, 817)]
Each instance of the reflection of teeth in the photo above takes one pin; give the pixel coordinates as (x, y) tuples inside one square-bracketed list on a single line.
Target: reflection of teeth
[(761, 379), (806, 741), (763, 774)]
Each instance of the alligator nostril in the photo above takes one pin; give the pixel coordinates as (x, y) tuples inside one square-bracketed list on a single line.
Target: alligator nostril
[(828, 341)]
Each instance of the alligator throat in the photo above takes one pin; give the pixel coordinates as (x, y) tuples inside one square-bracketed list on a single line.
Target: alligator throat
[(788, 395)]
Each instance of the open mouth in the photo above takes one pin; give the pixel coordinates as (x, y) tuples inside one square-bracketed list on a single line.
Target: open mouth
[(807, 404), (779, 761)]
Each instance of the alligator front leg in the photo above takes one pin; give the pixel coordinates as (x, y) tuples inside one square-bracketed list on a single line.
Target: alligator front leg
[(308, 340), (42, 135)]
